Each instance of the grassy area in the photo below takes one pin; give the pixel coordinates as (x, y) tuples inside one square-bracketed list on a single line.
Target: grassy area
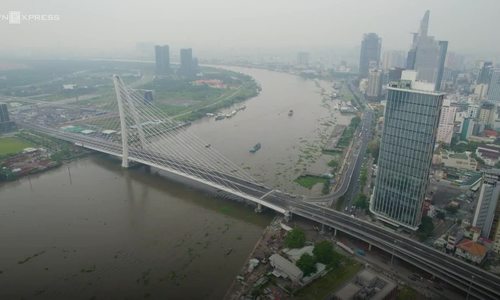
[(322, 287), (348, 134), (308, 181), (11, 145), (407, 293)]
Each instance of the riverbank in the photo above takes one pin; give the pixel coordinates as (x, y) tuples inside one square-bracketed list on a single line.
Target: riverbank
[(27, 153), (135, 223)]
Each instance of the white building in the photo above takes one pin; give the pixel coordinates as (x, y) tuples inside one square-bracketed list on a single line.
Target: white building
[(487, 202), (472, 111), (285, 268), (446, 122), (374, 89), (481, 91)]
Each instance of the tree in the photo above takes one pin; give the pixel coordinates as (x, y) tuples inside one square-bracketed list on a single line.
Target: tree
[(323, 252), (334, 165), (373, 148), (361, 201), (295, 238), (426, 228), (306, 264)]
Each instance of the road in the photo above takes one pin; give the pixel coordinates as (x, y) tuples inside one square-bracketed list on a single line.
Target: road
[(460, 274), (355, 160)]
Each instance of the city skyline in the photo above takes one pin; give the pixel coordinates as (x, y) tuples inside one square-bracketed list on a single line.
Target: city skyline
[(276, 26)]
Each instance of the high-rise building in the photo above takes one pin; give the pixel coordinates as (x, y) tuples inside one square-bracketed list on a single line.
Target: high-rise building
[(6, 124), (303, 59), (443, 48), (446, 122), (4, 113), (370, 53), (427, 56), (394, 74), (162, 59), (186, 67), (467, 128), (487, 202), (487, 114), (494, 86), (408, 138), (374, 89), (472, 111), (481, 91), (485, 70), (393, 59)]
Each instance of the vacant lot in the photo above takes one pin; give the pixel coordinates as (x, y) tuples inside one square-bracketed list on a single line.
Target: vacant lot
[(11, 145)]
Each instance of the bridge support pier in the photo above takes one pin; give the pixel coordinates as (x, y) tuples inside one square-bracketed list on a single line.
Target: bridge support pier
[(258, 209), (369, 247), (322, 231), (335, 232), (288, 216)]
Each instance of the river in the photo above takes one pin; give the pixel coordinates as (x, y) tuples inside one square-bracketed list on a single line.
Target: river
[(92, 230)]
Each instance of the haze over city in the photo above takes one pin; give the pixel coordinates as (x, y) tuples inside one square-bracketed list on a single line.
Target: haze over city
[(223, 26)]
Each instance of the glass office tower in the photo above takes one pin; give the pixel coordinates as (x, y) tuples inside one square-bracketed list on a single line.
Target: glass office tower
[(410, 128)]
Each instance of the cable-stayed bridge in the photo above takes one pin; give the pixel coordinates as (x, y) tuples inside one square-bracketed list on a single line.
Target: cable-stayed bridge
[(138, 131)]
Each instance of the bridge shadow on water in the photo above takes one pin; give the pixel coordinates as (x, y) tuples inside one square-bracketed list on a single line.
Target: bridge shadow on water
[(143, 178)]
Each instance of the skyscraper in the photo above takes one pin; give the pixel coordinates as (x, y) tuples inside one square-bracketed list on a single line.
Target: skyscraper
[(162, 59), (487, 202), (485, 69), (408, 138), (494, 86), (186, 67), (374, 90), (370, 53), (427, 56), (4, 113), (443, 48), (6, 124), (393, 59), (446, 122)]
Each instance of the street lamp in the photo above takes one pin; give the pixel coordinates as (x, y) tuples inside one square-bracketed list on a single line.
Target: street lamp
[(470, 286), (393, 250)]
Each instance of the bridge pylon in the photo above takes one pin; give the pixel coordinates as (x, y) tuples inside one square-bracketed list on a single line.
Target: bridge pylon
[(123, 125)]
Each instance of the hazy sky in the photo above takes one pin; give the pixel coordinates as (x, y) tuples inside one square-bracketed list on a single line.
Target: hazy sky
[(469, 25)]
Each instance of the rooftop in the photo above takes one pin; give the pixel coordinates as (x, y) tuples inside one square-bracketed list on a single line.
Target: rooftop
[(472, 247)]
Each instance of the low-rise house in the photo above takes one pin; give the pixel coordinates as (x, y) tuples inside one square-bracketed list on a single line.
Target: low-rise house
[(454, 237), (461, 161), (490, 154), (285, 268), (471, 251)]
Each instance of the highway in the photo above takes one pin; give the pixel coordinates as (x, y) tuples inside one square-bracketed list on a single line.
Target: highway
[(482, 284), (355, 160)]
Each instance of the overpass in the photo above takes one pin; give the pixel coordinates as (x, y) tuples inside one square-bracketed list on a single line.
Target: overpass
[(144, 134)]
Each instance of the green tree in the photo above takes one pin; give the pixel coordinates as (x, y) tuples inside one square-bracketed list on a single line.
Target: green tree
[(323, 252), (334, 165), (373, 148), (295, 238), (361, 201), (426, 228), (363, 176), (306, 264)]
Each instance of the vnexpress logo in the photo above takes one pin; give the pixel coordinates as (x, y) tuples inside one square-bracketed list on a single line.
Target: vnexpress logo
[(16, 17)]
